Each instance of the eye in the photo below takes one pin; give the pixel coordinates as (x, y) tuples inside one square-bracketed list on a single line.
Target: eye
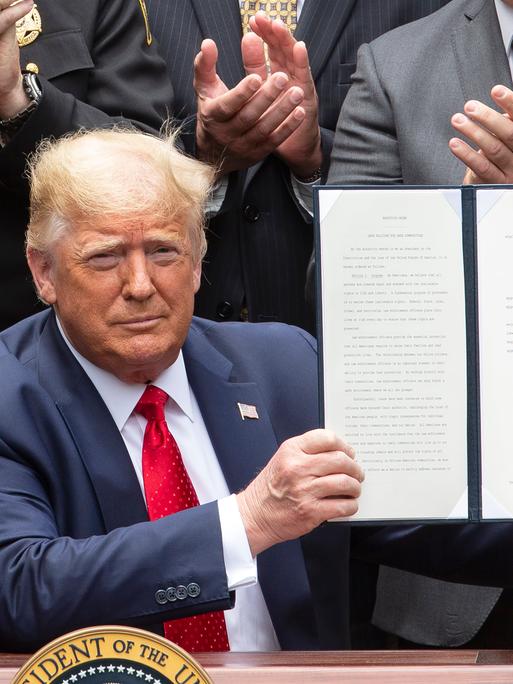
[(162, 254), (103, 261)]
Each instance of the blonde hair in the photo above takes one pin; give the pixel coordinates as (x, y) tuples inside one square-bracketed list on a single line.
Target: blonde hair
[(90, 174)]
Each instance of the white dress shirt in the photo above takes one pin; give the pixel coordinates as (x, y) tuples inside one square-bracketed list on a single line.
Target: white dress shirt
[(248, 624)]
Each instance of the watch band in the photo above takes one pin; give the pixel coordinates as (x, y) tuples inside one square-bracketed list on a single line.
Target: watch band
[(33, 89), (314, 176)]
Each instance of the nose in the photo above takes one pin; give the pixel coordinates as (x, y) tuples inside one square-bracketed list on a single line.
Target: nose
[(137, 281)]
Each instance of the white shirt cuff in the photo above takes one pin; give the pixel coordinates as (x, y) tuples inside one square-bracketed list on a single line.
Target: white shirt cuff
[(303, 193), (216, 200), (241, 567)]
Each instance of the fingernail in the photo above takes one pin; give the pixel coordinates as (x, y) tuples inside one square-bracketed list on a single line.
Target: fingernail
[(471, 106), (500, 92), (296, 96), (459, 118), (281, 81)]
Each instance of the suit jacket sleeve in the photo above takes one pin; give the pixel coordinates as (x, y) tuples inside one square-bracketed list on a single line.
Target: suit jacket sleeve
[(365, 149), (53, 584), (128, 81)]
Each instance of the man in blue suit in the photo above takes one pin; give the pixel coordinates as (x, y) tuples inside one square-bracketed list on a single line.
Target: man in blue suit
[(114, 245)]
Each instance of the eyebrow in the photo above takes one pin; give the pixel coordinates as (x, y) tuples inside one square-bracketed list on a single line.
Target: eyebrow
[(114, 243), (102, 245)]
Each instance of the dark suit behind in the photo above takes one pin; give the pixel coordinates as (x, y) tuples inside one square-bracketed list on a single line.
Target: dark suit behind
[(259, 249)]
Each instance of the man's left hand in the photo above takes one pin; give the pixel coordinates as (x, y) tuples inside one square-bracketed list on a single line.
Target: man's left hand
[(492, 133), (301, 151)]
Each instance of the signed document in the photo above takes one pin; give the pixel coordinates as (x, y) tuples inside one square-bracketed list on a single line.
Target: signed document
[(405, 374), (495, 287)]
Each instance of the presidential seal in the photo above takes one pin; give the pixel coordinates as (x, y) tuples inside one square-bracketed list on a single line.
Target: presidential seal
[(28, 27), (111, 655)]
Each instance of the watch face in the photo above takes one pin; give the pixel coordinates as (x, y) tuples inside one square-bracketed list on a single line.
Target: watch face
[(31, 87)]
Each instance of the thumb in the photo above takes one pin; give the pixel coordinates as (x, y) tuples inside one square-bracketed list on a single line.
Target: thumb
[(205, 74)]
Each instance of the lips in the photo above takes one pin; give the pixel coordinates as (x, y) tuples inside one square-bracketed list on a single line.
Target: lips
[(141, 321)]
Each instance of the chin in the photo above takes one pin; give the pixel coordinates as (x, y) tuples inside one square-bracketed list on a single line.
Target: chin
[(147, 360)]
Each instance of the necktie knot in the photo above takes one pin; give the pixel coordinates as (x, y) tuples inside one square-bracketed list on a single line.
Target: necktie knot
[(151, 404)]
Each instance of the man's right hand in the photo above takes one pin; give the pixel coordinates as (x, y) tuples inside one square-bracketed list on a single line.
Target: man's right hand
[(301, 151), (13, 99), (492, 133), (237, 128), (310, 479)]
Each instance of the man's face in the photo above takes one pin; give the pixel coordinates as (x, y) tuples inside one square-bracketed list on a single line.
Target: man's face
[(124, 293)]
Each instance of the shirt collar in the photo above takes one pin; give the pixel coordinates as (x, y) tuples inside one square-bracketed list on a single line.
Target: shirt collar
[(505, 16), (121, 397)]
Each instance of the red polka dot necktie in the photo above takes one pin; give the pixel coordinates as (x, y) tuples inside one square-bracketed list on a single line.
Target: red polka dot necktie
[(169, 489)]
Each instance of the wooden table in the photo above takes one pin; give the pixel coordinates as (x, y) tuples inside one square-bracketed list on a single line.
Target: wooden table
[(358, 667)]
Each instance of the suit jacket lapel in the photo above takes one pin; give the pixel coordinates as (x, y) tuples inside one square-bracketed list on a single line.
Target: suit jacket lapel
[(94, 432), (320, 25), (479, 51), (243, 447), (220, 20)]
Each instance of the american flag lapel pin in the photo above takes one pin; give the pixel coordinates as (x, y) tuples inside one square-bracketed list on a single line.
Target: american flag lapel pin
[(247, 411)]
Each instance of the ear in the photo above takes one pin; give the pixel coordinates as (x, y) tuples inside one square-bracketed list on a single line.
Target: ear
[(41, 268), (196, 276)]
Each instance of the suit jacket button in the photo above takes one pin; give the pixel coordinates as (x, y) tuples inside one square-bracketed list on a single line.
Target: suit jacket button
[(193, 589), (251, 213), (181, 592), (160, 597), (171, 594), (224, 310)]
